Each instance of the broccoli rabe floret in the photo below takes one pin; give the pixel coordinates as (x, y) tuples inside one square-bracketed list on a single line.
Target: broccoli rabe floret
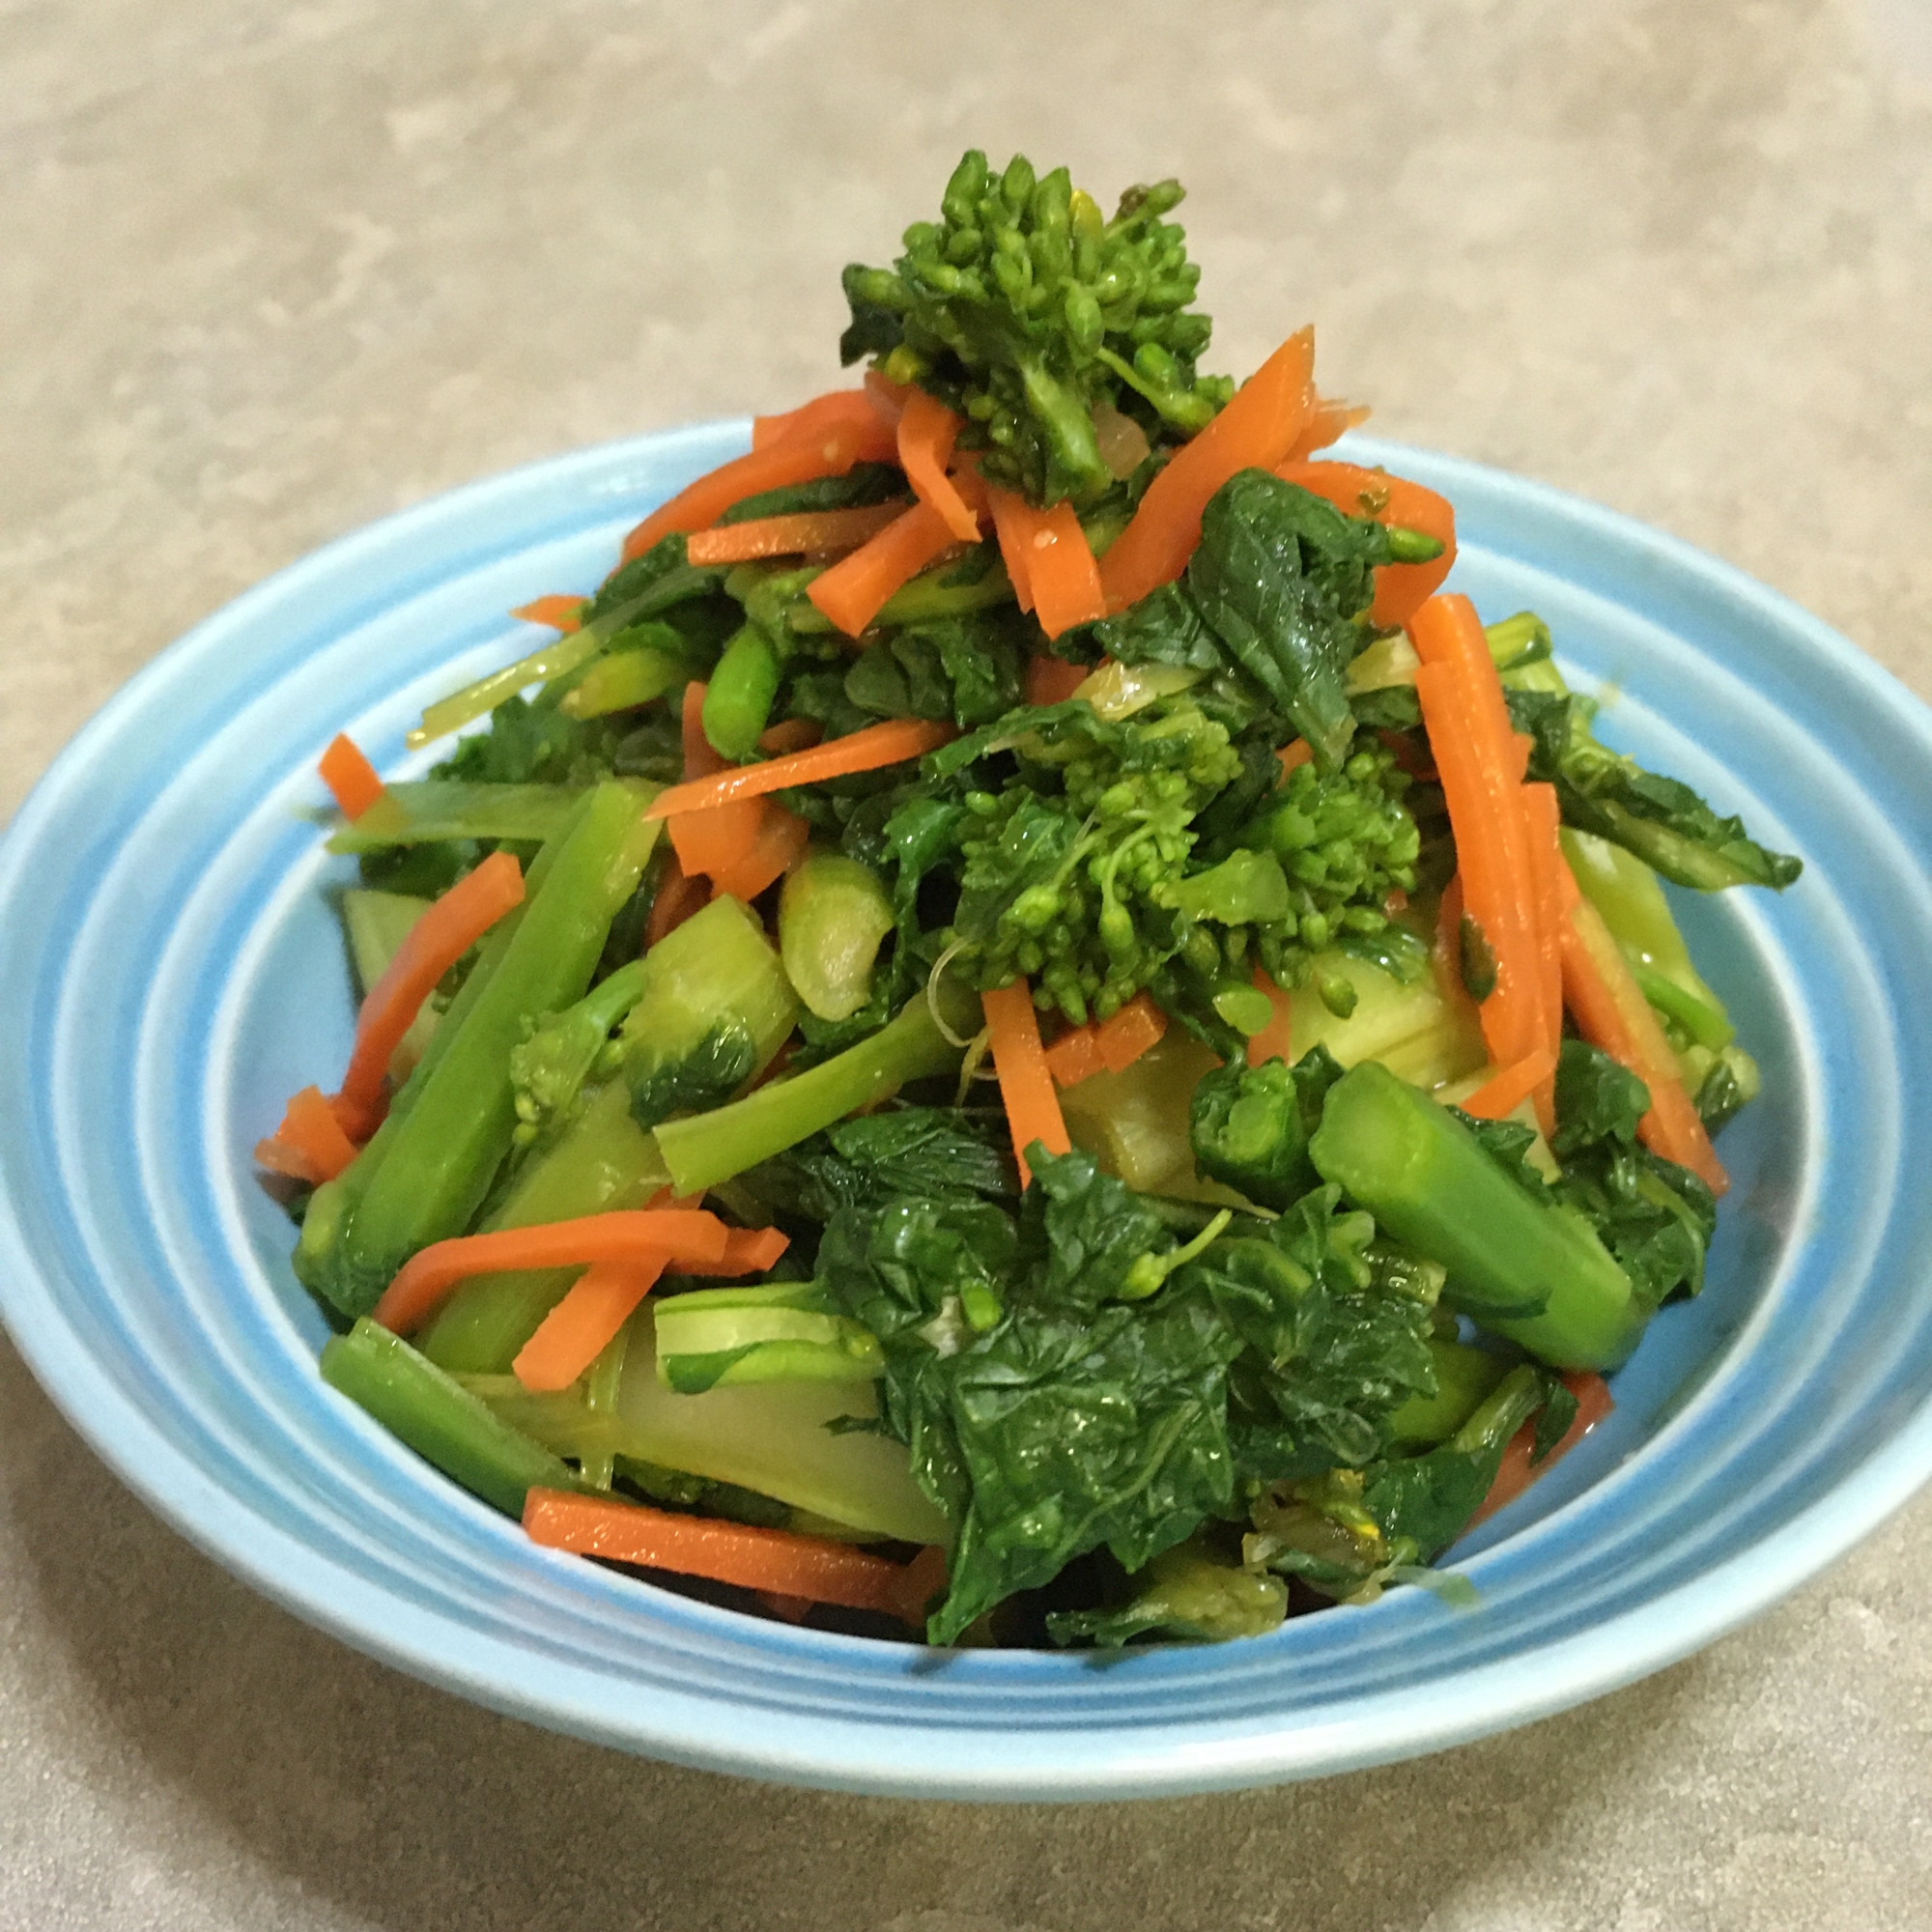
[(1025, 310)]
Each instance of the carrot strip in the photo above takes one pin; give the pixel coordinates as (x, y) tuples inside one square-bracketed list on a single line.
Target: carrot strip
[(1012, 527), (1026, 1087), (1053, 680), (928, 432), (1504, 1094), (791, 735), (711, 839), (1612, 1013), (1296, 752), (1121, 1040), (1516, 1472), (1401, 588), (1542, 819), (809, 452), (890, 743), (1275, 1041), (310, 1144), (835, 406), (558, 611), (630, 1235), (746, 1251), (852, 592), (1073, 1057), (436, 941), (781, 1561), (350, 776), (579, 1327), (808, 531), (1256, 430), (1329, 418), (678, 895), (781, 836)]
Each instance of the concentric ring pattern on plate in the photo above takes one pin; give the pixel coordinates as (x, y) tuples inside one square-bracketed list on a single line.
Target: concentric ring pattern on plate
[(171, 972)]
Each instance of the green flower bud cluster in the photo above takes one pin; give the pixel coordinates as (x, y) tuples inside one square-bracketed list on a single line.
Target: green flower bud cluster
[(1023, 308), (1091, 926), (1345, 841)]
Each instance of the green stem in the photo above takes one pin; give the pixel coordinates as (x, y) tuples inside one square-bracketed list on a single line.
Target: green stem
[(738, 700)]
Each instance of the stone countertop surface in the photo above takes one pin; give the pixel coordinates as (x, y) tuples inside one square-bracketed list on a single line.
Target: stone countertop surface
[(271, 271)]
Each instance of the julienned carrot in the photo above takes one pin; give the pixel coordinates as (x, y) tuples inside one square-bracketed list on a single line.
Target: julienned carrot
[(1509, 1089), (1611, 1012), (436, 941), (870, 750), (835, 406), (746, 1251), (1073, 1058), (1256, 430), (1296, 752), (808, 452), (1026, 1086), (1516, 1472), (579, 1327), (1542, 819), (1013, 525), (1328, 419), (355, 782), (808, 530), (775, 1560), (791, 735), (1053, 680), (853, 592), (1401, 588), (1138, 1026), (928, 432), (558, 611), (1275, 1041), (709, 839), (781, 837), (676, 1236), (678, 895), (310, 1144)]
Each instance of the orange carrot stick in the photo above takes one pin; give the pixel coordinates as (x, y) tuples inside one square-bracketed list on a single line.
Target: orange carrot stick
[(1073, 1057), (890, 743), (1516, 1472), (1121, 1040), (781, 837), (709, 840), (632, 1235), (1401, 588), (775, 1560), (837, 406), (579, 1327), (1509, 1089), (1542, 819), (310, 1144), (1275, 1041), (790, 734), (1296, 752), (746, 1251), (809, 452), (808, 531), (436, 941), (1053, 680), (1046, 551), (928, 432), (1026, 1087), (1256, 430), (1013, 525), (1329, 418), (854, 591), (558, 611), (1612, 1013), (350, 776), (678, 895)]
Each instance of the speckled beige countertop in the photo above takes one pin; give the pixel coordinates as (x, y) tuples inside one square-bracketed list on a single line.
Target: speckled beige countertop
[(270, 271)]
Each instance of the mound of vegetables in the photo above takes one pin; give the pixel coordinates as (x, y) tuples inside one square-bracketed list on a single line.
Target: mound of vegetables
[(1018, 1029)]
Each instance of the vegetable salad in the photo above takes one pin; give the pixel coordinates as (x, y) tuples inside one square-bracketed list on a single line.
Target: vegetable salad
[(1018, 1031)]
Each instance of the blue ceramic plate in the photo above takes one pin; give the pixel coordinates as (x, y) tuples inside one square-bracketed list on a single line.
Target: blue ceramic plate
[(170, 971)]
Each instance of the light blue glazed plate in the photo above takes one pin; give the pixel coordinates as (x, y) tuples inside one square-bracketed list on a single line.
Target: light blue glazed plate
[(170, 970)]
